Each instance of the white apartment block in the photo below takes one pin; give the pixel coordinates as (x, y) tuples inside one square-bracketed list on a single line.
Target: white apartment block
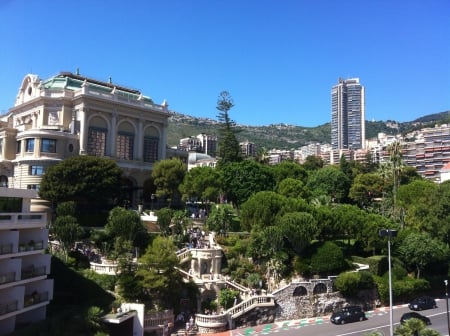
[(68, 115), (202, 143), (25, 290)]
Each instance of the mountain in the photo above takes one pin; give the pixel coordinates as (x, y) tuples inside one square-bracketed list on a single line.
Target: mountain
[(284, 136)]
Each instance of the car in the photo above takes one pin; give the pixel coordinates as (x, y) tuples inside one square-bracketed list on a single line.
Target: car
[(423, 302), (415, 315), (348, 314)]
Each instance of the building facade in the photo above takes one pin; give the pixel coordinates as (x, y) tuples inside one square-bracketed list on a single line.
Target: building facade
[(68, 115), (25, 290), (348, 115)]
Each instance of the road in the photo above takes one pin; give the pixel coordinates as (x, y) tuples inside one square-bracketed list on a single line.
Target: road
[(377, 320)]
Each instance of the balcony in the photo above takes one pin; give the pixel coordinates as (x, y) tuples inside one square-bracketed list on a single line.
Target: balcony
[(19, 220), (32, 272), (6, 249), (9, 307), (7, 277), (35, 298)]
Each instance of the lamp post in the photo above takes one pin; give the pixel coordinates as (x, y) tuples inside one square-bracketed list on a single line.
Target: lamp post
[(446, 302), (389, 233)]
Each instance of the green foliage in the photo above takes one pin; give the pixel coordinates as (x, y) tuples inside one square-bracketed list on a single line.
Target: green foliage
[(261, 210), (66, 228), (164, 219), (292, 170), (158, 274), (403, 290), (226, 297), (167, 176), (105, 281), (328, 259), (350, 283), (125, 224), (290, 187), (243, 179), (329, 180), (201, 184), (229, 149), (220, 218), (87, 180), (420, 249)]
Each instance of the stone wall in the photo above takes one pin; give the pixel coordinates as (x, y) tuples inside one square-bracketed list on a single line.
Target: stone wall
[(256, 316)]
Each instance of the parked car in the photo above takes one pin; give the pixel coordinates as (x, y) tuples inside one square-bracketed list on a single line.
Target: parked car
[(411, 315), (424, 302), (348, 314)]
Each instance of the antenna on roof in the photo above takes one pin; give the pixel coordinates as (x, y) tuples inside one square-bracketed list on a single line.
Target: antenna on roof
[(78, 71), (110, 80)]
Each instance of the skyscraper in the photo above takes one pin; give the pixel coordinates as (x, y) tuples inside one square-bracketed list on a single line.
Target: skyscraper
[(348, 115)]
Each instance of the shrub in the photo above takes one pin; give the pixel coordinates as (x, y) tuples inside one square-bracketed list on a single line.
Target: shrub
[(350, 283), (328, 259)]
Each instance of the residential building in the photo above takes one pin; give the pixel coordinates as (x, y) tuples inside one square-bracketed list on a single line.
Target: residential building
[(68, 115), (348, 114), (25, 290), (248, 149), (202, 143)]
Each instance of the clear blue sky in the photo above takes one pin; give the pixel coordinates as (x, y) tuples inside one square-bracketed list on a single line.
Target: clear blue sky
[(277, 58)]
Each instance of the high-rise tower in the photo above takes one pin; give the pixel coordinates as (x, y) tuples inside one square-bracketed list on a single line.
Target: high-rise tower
[(348, 115)]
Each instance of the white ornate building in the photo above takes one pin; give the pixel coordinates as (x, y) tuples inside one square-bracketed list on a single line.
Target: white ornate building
[(68, 115)]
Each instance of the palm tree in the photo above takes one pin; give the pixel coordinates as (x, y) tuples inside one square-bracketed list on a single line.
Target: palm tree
[(395, 158)]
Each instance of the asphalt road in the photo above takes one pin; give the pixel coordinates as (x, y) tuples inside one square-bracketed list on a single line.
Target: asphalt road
[(377, 320)]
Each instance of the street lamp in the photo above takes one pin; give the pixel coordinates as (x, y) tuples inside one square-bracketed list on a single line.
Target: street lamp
[(389, 233), (446, 302)]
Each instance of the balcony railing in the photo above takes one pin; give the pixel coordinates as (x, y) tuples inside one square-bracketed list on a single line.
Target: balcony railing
[(31, 272), (35, 298), (22, 219), (8, 307), (6, 248), (157, 319), (7, 277)]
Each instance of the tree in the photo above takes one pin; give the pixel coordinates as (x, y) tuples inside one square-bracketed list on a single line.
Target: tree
[(158, 273), (220, 218), (313, 162), (87, 180), (125, 227), (229, 149), (261, 210), (420, 249), (395, 157), (328, 259), (66, 228), (201, 184), (329, 181), (294, 188), (240, 180), (365, 188), (227, 297), (288, 169), (298, 229), (167, 176), (164, 220)]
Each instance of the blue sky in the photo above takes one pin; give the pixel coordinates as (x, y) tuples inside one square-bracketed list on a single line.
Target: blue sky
[(277, 58)]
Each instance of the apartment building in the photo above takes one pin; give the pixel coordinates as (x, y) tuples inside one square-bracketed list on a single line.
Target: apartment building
[(202, 143), (70, 114), (25, 290), (248, 149), (348, 114)]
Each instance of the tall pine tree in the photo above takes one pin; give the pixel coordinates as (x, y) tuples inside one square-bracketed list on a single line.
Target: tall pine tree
[(229, 149)]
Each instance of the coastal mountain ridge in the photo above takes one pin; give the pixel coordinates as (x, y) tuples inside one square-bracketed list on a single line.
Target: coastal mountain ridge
[(285, 136)]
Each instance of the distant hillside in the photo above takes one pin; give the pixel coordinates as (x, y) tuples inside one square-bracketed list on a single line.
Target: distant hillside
[(284, 136)]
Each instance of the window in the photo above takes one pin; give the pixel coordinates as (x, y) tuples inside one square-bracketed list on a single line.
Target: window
[(124, 146), (4, 181), (18, 145), (151, 145), (36, 170), (96, 141), (33, 186), (48, 145), (30, 145)]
